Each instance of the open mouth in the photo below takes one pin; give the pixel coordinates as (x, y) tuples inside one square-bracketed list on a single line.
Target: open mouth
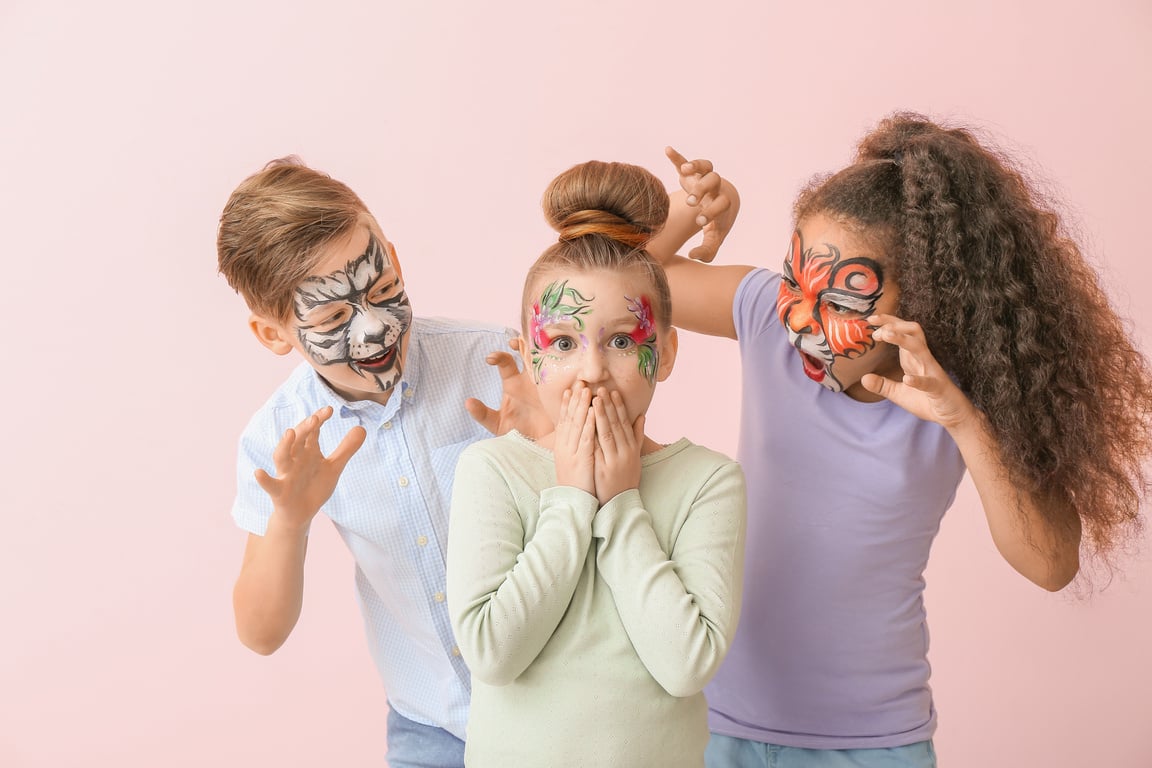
[(378, 363), (814, 367)]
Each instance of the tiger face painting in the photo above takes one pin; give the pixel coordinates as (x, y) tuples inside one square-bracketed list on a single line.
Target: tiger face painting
[(829, 288)]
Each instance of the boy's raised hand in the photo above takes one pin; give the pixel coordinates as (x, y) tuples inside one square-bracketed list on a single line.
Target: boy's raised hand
[(925, 390), (520, 407), (305, 478), (715, 201), (618, 445)]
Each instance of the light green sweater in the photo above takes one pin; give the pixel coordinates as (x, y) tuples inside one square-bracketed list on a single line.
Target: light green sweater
[(591, 633)]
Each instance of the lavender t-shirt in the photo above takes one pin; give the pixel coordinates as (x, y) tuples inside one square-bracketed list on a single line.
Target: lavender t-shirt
[(844, 499)]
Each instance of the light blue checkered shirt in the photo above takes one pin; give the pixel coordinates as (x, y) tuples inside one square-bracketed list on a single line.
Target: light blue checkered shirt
[(391, 505)]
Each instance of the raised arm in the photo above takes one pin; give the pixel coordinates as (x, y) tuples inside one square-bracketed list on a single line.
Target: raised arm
[(269, 591), (1047, 557), (702, 294)]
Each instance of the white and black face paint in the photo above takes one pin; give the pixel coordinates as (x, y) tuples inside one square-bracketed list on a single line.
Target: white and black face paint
[(357, 316)]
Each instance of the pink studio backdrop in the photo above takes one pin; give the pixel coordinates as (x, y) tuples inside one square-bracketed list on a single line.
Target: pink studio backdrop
[(125, 126)]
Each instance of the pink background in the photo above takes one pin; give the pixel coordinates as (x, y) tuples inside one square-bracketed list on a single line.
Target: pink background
[(126, 124)]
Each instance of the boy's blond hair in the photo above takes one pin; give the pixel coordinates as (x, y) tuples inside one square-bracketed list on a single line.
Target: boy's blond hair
[(275, 227)]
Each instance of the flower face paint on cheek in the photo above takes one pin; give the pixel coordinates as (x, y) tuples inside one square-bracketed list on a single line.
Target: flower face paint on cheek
[(358, 316), (644, 336), (558, 304), (824, 303)]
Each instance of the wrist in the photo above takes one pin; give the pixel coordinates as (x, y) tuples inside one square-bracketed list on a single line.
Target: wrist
[(287, 525)]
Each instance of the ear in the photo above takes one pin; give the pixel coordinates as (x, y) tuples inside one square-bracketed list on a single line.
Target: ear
[(668, 346), (391, 248), (270, 333)]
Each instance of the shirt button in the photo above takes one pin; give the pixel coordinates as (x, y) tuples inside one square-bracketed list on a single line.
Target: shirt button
[(387, 425), (455, 651), (403, 482), (408, 393), (438, 597), (422, 540)]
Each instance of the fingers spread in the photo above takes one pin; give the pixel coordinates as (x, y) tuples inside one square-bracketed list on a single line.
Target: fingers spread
[(348, 446), (505, 364)]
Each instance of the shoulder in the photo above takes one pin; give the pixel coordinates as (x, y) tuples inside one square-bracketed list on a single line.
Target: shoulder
[(512, 457), (758, 285), (510, 448), (754, 307), (442, 330), (687, 458), (300, 395)]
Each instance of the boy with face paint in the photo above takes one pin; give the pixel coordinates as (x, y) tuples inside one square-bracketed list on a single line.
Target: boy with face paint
[(322, 280)]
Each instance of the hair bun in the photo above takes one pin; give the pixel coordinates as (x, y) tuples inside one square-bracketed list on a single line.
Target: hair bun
[(605, 223), (618, 201)]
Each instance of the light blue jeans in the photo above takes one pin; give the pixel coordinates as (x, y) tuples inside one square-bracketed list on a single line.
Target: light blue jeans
[(415, 745), (730, 752)]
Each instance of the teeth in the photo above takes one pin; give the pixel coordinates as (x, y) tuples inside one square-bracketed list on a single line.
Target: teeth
[(373, 359)]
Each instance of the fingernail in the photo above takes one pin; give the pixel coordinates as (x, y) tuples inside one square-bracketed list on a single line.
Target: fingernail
[(691, 200)]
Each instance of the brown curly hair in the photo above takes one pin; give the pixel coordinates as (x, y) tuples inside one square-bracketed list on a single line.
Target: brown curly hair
[(1013, 311)]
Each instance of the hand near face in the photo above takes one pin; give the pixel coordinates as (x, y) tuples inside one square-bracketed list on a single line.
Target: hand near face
[(618, 445), (305, 478), (574, 443), (717, 202), (925, 389), (520, 407)]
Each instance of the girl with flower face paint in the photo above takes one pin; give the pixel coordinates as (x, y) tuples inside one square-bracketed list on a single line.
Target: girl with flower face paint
[(930, 318), (594, 574)]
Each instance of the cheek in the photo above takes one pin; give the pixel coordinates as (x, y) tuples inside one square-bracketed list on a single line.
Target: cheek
[(324, 348), (848, 338), (784, 302)]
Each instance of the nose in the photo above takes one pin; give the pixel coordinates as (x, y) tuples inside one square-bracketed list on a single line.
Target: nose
[(592, 367), (365, 333), (800, 318)]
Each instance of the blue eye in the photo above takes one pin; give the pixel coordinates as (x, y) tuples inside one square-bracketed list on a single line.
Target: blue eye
[(621, 341), (564, 344)]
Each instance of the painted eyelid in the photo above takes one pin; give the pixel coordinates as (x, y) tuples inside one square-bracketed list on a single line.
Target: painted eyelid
[(329, 319), (391, 287), (853, 303)]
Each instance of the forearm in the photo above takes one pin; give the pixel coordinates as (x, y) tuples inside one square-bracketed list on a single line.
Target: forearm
[(507, 594), (269, 591), (679, 228), (1044, 554), (680, 612)]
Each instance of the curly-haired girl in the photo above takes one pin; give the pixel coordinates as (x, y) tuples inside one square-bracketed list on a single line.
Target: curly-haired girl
[(953, 324)]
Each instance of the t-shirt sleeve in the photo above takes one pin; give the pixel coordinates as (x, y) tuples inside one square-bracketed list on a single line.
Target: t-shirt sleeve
[(754, 308), (252, 507), (506, 592), (680, 610)]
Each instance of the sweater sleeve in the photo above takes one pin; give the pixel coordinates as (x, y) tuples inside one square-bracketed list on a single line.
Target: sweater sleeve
[(679, 610), (506, 595)]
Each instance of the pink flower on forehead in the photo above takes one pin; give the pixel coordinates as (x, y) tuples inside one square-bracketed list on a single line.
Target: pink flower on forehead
[(645, 328)]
